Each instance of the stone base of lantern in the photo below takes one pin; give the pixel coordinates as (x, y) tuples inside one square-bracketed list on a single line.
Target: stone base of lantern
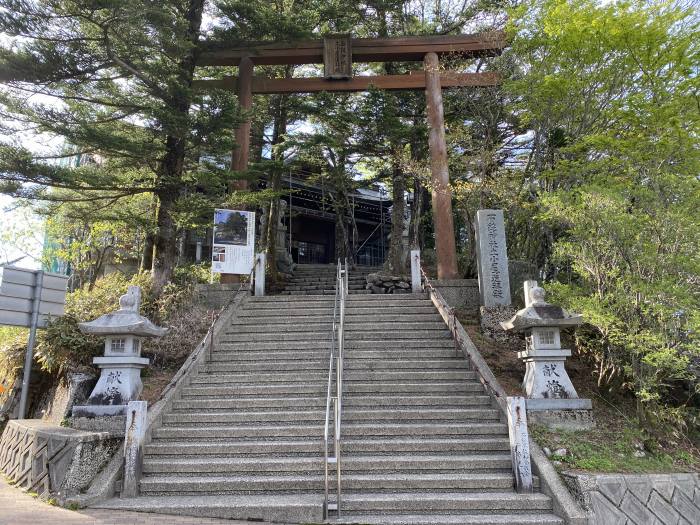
[(119, 383), (561, 414), (545, 375)]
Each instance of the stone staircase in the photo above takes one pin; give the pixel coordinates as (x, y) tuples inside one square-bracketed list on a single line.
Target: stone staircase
[(422, 442), (319, 279)]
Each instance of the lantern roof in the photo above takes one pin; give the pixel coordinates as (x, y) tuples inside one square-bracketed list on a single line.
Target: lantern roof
[(540, 313), (125, 321)]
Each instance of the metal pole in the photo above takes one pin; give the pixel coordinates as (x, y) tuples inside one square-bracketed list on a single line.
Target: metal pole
[(29, 354)]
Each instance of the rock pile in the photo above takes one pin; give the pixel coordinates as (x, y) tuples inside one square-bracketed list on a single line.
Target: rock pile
[(382, 283)]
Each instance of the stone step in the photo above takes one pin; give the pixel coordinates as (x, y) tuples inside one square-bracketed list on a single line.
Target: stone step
[(299, 415), (225, 403), (352, 326), (255, 390), (254, 431), (389, 313), (478, 463), (368, 400), (214, 417), (398, 387), (313, 431), (320, 283), (325, 335), (470, 501), (313, 277), (320, 375), (491, 518), (259, 377), (420, 414), (415, 430), (296, 508), (372, 298), (445, 401), (355, 387), (315, 446), (307, 483), (350, 354), (403, 298), (350, 364), (350, 344), (326, 318)]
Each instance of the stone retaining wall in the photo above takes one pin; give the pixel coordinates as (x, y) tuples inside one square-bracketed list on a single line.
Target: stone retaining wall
[(634, 499), (53, 461)]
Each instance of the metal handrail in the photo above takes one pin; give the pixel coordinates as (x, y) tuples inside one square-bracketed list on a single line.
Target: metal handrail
[(335, 364)]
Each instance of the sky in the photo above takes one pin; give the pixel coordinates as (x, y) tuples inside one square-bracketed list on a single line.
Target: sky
[(21, 235)]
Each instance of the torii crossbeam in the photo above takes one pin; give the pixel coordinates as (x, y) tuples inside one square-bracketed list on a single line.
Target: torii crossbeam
[(338, 53)]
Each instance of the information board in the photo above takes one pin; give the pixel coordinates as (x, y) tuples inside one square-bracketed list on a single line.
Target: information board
[(233, 247)]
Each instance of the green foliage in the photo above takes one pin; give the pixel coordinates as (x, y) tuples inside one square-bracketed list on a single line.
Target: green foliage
[(624, 447), (609, 97), (62, 345), (115, 81), (13, 341)]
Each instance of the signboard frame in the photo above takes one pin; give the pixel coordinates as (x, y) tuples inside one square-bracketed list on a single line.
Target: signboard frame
[(233, 242)]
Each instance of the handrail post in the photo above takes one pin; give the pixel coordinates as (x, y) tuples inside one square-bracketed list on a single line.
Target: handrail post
[(259, 268), (415, 272)]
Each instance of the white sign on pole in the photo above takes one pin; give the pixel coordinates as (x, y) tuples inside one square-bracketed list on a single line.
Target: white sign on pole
[(233, 249), (17, 296)]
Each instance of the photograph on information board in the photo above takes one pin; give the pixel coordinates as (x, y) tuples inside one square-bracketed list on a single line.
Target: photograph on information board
[(234, 241)]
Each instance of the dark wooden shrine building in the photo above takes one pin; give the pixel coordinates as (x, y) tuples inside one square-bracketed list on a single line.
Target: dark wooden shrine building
[(316, 231)]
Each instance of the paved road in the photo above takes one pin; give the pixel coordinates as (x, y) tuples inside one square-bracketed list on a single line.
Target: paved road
[(19, 508)]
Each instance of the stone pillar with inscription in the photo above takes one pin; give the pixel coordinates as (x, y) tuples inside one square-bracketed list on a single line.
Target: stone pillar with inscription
[(494, 281), (492, 258), (547, 385)]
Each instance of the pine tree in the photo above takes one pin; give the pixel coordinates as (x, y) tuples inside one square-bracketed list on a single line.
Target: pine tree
[(113, 79)]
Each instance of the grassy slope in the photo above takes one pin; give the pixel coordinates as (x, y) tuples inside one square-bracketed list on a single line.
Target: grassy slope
[(617, 440)]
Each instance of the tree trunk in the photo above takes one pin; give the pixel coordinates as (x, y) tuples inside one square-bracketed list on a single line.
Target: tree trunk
[(397, 264), (165, 242), (278, 132), (169, 174), (147, 256)]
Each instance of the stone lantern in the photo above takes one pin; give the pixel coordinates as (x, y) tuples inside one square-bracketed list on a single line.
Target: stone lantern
[(120, 367), (545, 375)]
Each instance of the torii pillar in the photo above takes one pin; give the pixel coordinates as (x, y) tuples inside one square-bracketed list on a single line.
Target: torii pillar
[(443, 222), (241, 147)]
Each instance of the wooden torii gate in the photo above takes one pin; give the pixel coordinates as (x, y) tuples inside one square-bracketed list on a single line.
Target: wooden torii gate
[(337, 54)]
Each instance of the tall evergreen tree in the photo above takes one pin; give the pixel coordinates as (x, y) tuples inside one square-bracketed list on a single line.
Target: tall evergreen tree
[(113, 78)]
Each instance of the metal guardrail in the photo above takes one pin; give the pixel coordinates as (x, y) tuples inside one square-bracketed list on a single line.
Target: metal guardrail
[(335, 366)]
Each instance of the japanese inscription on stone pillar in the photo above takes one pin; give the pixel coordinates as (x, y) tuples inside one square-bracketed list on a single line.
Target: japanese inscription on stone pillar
[(492, 258), (337, 57)]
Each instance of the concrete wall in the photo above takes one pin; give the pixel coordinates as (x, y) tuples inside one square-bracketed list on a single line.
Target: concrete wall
[(636, 499), (216, 296), (459, 293)]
